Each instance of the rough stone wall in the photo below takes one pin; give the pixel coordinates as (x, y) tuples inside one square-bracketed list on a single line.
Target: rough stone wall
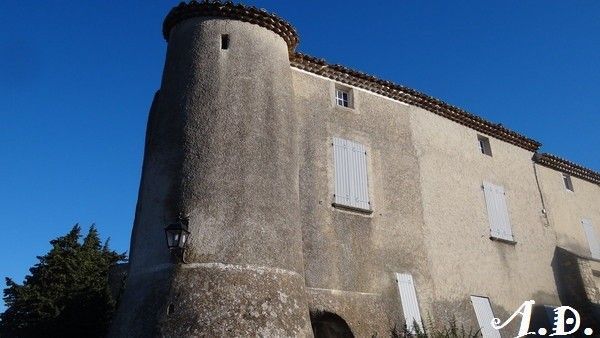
[(575, 277), (117, 275), (463, 259), (223, 150), (566, 208), (350, 257), (240, 143), (365, 313), (575, 272)]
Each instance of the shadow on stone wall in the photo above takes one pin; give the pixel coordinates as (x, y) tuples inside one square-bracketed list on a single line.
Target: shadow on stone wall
[(576, 287), (117, 274)]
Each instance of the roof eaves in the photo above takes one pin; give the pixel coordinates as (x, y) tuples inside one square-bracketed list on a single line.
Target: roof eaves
[(568, 167), (401, 93), (229, 10)]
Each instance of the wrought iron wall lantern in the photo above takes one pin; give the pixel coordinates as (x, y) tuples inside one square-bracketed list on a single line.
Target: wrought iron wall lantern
[(177, 236)]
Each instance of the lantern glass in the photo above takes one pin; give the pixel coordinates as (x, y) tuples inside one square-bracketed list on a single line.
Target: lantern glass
[(171, 238), (182, 239)]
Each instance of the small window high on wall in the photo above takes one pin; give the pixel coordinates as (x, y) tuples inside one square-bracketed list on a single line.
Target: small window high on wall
[(484, 145), (350, 170), (344, 96), (568, 182)]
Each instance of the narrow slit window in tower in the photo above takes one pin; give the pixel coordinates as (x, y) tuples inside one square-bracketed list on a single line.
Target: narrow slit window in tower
[(225, 41)]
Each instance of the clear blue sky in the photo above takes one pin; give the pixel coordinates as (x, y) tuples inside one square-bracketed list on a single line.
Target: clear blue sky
[(77, 79)]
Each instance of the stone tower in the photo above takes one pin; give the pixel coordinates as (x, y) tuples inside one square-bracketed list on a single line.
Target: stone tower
[(221, 149)]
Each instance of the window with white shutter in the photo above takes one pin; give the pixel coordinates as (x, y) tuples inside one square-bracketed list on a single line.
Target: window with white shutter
[(592, 238), (410, 304), (485, 315), (351, 186), (495, 199)]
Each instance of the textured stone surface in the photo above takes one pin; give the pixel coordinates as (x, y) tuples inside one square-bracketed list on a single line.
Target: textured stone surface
[(240, 143), (565, 166), (117, 275), (577, 287), (365, 313), (222, 150), (219, 300), (228, 10), (352, 252), (410, 96), (425, 175), (566, 209), (464, 261)]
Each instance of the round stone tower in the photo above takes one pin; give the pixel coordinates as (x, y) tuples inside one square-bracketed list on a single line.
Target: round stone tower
[(221, 149)]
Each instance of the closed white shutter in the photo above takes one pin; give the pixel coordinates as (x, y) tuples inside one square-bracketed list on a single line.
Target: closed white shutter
[(408, 297), (484, 314), (350, 162), (590, 233), (342, 175), (497, 211)]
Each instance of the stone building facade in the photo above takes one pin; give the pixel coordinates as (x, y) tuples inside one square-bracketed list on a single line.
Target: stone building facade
[(321, 200)]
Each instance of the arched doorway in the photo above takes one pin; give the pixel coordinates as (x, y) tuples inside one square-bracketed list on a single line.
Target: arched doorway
[(329, 325)]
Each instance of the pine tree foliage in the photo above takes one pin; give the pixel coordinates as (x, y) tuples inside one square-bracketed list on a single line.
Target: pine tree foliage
[(66, 293)]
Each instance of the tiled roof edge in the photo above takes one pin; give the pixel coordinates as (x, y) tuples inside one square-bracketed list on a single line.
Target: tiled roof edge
[(397, 92), (568, 167), (229, 10)]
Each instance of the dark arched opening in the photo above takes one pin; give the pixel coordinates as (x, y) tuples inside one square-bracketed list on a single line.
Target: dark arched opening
[(327, 324)]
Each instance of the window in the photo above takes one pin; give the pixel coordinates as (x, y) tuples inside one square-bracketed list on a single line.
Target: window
[(568, 182), (410, 304), (485, 315), (342, 98), (495, 199), (225, 41), (592, 239), (484, 145), (350, 165)]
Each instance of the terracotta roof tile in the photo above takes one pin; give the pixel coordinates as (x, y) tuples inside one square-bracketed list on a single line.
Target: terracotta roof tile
[(365, 81), (568, 167), (229, 10), (410, 96)]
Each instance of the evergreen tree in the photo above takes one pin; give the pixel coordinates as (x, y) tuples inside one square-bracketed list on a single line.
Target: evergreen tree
[(66, 293)]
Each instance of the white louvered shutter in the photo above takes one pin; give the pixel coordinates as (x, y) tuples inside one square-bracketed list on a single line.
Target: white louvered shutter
[(484, 314), (351, 184), (497, 211), (342, 177), (592, 239), (410, 304)]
